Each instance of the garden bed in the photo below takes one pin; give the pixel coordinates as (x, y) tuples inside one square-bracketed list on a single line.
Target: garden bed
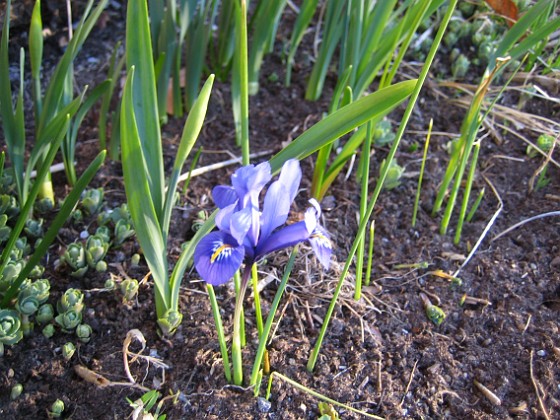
[(381, 354)]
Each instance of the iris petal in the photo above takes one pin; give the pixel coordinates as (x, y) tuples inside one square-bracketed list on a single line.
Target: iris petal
[(249, 181), (290, 177), (276, 208), (223, 218), (240, 224), (322, 246), (283, 238), (224, 195), (217, 257)]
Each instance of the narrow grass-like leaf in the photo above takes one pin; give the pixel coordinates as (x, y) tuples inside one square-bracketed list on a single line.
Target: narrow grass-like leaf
[(191, 131), (373, 200), (52, 101), (240, 81), (466, 194), (113, 75), (332, 33), (196, 48), (36, 56), (220, 331), (144, 99), (421, 176), (317, 395), (343, 121), (264, 24), (263, 338), (140, 199), (12, 120), (306, 12), (366, 152), (186, 259), (475, 205), (28, 205), (62, 216), (69, 146)]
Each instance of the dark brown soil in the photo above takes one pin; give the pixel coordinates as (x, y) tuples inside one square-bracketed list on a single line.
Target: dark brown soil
[(381, 354)]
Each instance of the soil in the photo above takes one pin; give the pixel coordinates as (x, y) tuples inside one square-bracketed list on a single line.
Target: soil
[(381, 355)]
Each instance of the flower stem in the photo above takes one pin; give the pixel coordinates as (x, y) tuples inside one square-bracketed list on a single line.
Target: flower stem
[(236, 341), (263, 338), (220, 330), (237, 285), (258, 312)]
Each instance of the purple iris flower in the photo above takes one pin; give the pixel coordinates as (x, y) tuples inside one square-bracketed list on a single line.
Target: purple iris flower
[(245, 233)]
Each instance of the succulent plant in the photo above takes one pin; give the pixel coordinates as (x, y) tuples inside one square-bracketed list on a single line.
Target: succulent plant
[(77, 215), (71, 299), (383, 133), (57, 408), (92, 200), (544, 142), (123, 231), (8, 206), (41, 290), (170, 321), (43, 205), (10, 328), (83, 332), (27, 303), (129, 288), (109, 284), (4, 230), (48, 331), (460, 66), (75, 258), (69, 320), (36, 272), (34, 228), (16, 391), (394, 175), (96, 248), (135, 260), (10, 273), (433, 312), (45, 313), (104, 232), (68, 350)]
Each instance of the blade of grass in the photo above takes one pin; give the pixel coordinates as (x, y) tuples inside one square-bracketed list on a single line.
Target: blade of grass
[(306, 13), (191, 130), (144, 99), (28, 205), (343, 121), (421, 176), (240, 81), (263, 338), (140, 200), (408, 112)]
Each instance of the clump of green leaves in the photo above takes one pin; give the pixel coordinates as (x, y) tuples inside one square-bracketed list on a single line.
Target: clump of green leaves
[(544, 143), (10, 328), (394, 174), (144, 405)]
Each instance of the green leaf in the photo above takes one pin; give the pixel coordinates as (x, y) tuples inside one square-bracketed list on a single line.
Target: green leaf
[(343, 121), (140, 200), (191, 130), (143, 99), (61, 218)]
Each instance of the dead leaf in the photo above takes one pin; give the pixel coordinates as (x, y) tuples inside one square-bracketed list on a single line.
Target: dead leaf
[(91, 377), (506, 8)]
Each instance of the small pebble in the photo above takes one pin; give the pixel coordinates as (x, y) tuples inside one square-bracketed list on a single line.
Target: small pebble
[(541, 353), (263, 405)]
